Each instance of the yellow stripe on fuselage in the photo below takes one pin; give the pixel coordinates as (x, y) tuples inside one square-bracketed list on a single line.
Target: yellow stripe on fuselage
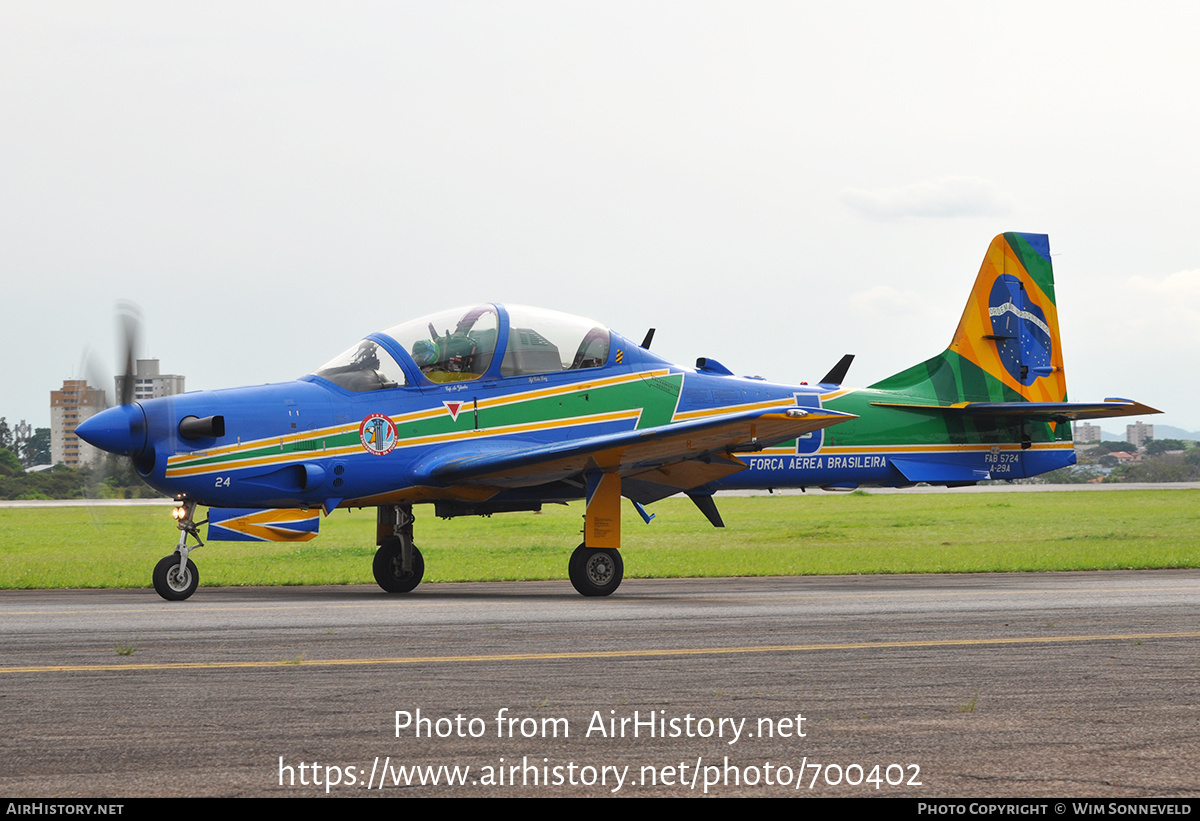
[(181, 460), (632, 415), (783, 402)]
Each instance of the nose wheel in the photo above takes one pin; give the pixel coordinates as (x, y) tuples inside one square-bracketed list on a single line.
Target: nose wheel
[(176, 578), (596, 571), (389, 567), (399, 565)]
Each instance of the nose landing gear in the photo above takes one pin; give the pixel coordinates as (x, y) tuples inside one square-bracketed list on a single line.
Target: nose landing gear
[(399, 565), (175, 576)]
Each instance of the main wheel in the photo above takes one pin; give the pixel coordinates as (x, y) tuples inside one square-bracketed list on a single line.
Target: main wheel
[(172, 584), (388, 567), (596, 571)]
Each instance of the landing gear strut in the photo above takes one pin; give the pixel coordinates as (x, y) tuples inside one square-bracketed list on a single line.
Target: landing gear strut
[(399, 565), (175, 576), (596, 568)]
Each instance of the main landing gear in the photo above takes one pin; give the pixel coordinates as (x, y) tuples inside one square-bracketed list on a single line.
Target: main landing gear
[(176, 576), (596, 571), (596, 568)]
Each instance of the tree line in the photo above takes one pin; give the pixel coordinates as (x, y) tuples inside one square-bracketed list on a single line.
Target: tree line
[(30, 452), (110, 478)]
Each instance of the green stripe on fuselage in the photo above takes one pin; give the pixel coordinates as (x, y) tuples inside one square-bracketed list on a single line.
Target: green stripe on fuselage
[(655, 396)]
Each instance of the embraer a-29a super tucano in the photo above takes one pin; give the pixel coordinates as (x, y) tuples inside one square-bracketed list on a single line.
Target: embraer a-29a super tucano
[(488, 409)]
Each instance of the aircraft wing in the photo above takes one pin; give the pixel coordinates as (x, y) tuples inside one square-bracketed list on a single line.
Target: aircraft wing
[(685, 454)]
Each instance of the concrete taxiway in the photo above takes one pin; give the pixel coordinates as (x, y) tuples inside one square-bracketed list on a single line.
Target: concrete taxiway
[(1035, 685)]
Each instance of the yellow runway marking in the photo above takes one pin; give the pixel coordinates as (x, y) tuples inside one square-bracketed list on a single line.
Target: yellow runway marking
[(602, 654), (640, 599)]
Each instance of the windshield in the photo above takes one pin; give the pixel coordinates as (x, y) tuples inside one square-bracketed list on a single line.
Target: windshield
[(364, 367)]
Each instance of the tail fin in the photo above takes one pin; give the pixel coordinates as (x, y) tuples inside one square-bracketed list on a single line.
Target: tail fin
[(998, 392), (1005, 361), (1006, 347), (1009, 329)]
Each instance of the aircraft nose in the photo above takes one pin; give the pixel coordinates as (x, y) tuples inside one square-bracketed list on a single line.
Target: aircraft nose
[(120, 430)]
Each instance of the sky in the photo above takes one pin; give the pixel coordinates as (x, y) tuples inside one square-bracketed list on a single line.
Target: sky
[(768, 184)]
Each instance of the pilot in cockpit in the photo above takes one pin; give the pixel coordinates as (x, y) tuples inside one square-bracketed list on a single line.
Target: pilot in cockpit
[(446, 358)]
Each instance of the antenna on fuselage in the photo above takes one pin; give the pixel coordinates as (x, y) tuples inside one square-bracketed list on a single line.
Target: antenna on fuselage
[(649, 338), (837, 374)]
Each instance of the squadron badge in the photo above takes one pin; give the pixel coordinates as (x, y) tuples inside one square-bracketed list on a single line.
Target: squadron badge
[(378, 434)]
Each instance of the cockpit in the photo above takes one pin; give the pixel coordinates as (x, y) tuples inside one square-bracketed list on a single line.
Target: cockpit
[(460, 345)]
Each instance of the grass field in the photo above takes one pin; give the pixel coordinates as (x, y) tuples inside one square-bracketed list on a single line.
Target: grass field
[(789, 535)]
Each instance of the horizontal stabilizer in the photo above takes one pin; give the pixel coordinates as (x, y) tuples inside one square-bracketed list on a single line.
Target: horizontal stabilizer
[(1037, 411), (256, 525), (1062, 411)]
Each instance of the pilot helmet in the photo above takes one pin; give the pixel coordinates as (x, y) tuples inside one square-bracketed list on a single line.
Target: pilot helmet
[(424, 353)]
